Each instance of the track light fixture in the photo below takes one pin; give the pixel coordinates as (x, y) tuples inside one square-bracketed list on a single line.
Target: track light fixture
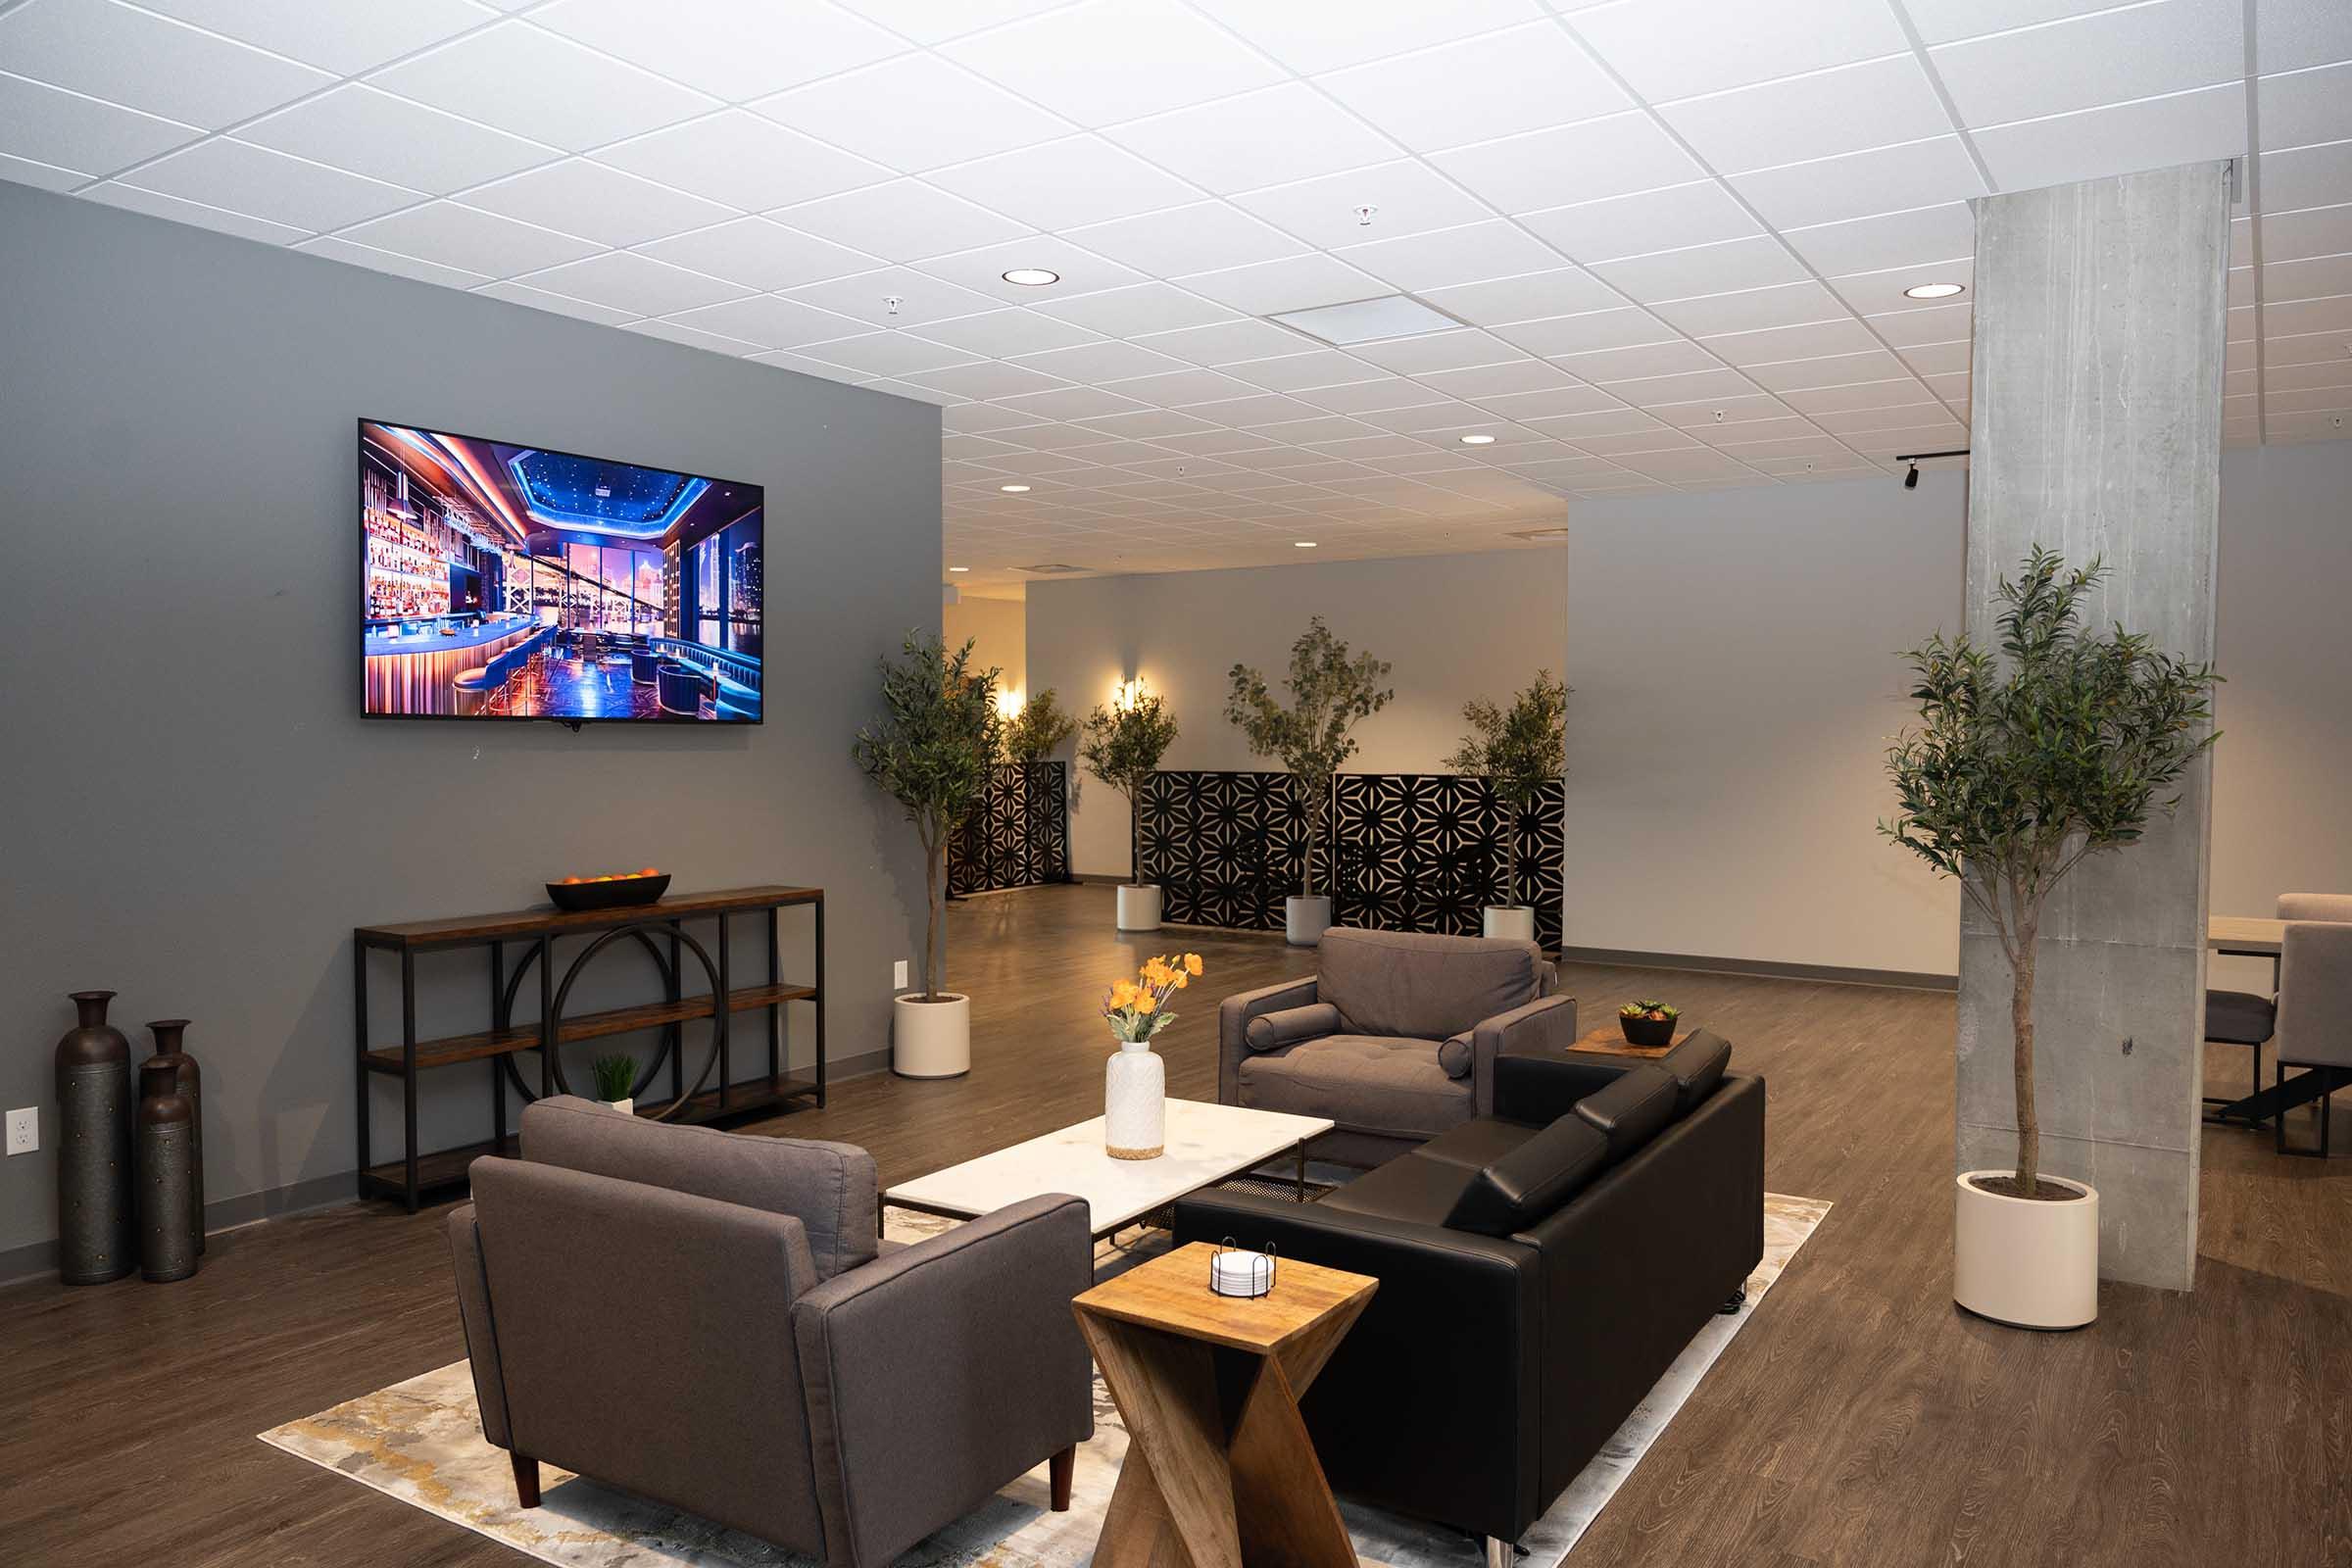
[(1911, 480), (1915, 459)]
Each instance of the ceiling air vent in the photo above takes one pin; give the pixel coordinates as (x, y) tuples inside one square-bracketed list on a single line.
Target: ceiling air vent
[(1048, 568)]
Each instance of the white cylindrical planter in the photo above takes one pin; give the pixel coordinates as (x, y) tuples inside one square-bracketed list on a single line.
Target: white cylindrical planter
[(931, 1039), (2027, 1263), (1515, 922), (627, 1107), (1305, 920), (1139, 907), (1135, 1102)]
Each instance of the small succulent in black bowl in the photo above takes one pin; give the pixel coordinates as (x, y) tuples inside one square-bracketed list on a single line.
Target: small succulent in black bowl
[(1648, 1022)]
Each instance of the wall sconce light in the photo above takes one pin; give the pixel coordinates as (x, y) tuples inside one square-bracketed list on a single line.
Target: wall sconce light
[(1126, 693), (1009, 702)]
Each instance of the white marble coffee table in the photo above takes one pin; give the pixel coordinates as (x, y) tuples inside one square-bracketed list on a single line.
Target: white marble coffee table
[(1205, 1144)]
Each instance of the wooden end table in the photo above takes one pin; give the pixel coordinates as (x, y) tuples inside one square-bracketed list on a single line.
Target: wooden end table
[(1208, 1387), (1609, 1041)]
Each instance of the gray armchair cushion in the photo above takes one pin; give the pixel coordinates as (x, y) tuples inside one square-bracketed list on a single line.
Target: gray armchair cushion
[(1233, 1028), (2334, 906), (1426, 987), (1546, 1026), (940, 1373), (1364, 1083), (2315, 994), (1271, 1031), (829, 1187)]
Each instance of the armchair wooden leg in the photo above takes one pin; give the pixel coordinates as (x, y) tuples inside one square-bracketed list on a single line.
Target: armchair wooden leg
[(526, 1481), (1058, 1470)]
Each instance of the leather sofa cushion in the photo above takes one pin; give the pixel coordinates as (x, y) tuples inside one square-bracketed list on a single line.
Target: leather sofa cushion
[(1631, 1111), (1362, 1082), (1696, 1065), (1287, 1026), (1416, 984), (1517, 1189), (2239, 1018), (1409, 1188), (1477, 1143)]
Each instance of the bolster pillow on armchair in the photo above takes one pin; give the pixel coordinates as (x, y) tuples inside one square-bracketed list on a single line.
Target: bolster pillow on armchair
[(1271, 1031)]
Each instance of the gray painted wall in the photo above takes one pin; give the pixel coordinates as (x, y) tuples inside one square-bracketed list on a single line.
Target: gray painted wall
[(196, 816)]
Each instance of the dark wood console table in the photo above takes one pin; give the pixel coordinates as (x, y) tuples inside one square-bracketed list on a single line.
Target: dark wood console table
[(660, 928)]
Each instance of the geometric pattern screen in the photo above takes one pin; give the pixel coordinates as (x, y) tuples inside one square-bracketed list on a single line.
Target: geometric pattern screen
[(1020, 834), (1405, 852)]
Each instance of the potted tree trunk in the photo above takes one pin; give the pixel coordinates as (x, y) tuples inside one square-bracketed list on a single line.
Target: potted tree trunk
[(1122, 745), (1518, 751), (1330, 695), (2060, 745), (931, 753)]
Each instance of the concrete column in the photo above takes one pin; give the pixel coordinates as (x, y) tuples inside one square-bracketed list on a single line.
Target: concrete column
[(2096, 391)]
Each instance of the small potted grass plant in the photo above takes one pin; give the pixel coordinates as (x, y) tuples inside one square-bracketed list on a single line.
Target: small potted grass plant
[(1649, 1024), (615, 1077)]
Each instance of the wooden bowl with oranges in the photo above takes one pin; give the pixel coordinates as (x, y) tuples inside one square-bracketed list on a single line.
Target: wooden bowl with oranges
[(614, 890)]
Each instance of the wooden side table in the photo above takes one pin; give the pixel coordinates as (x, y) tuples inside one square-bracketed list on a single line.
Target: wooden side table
[(1609, 1041), (1208, 1387)]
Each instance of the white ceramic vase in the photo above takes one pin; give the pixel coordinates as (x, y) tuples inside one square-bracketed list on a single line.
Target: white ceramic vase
[(2027, 1263), (1135, 1102), (1306, 919), (931, 1039), (627, 1107), (1139, 907), (1514, 922)]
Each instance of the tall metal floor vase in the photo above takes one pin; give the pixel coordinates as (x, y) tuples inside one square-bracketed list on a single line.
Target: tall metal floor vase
[(94, 1200), (168, 1242), (171, 1050)]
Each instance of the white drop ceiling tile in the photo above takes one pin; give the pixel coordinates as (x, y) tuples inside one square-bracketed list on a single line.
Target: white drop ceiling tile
[(148, 63), (1000, 334), (1623, 327), (1495, 84), (1547, 405), (1096, 362), (1659, 437), (1752, 310), (1676, 217), (2305, 107), (338, 249), (1226, 342), (345, 39), (732, 49), (1937, 324), (270, 185), (2285, 282), (1581, 429), (1658, 391), (1470, 254), (1292, 372), (1533, 296), (2298, 316), (2284, 429), (1885, 179), (1939, 437), (2306, 176), (1293, 283), (1889, 416), (539, 299), (930, 21), (1677, 467), (1142, 310), (2316, 231), (1445, 414), (1210, 394), (1205, 236), (905, 220), (1678, 48), (693, 337), (760, 254), (1648, 359), (1943, 21), (1055, 438), (1846, 398), (1491, 380), (913, 112), (155, 204), (2336, 372), (1722, 269), (597, 202), (1217, 443), (1407, 197), (627, 281), (1106, 61), (1882, 293), (1272, 136), (1568, 164), (1820, 115), (1067, 403), (979, 418), (1950, 388), (374, 134), (1081, 270), (1928, 360), (885, 353), (1064, 184), (521, 79), (1314, 471), (1366, 397), (474, 241), (1363, 448), (1149, 423), (1844, 466), (988, 379), (869, 296), (1437, 350), (1887, 240), (2153, 133), (2133, 51), (2291, 34), (2307, 401), (39, 175), (745, 162), (908, 389), (73, 131), (1317, 35), (1811, 341)]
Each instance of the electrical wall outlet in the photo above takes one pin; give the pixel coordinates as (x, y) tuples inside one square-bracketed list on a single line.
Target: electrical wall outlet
[(25, 1130), (898, 975)]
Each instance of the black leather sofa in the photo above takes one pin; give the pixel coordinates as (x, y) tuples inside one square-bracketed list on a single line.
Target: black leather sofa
[(1538, 1270)]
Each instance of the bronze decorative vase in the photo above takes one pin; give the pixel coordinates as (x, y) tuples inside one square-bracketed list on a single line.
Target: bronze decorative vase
[(94, 1200), (167, 1243), (170, 1048)]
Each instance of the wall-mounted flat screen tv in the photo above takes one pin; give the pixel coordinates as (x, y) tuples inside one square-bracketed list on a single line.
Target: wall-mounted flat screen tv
[(508, 581)]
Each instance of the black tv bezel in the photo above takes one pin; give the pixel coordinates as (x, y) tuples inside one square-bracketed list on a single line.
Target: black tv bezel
[(359, 443)]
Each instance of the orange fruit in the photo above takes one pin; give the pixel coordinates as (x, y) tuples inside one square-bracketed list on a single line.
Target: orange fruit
[(570, 881), (649, 871)]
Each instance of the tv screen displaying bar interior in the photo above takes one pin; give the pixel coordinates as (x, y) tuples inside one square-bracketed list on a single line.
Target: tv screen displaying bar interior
[(506, 581)]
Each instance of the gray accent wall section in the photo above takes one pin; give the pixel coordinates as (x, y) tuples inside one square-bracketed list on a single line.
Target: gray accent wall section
[(195, 813), (2098, 391)]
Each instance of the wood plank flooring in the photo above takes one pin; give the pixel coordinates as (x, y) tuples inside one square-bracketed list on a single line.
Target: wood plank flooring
[(1859, 1419)]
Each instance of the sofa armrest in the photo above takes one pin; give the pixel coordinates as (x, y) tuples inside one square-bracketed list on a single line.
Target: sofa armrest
[(1233, 1028), (481, 1332), (1539, 1089), (1546, 1024), (940, 1372)]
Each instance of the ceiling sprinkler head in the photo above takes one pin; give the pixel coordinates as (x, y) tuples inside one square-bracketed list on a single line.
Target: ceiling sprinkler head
[(892, 302), (1363, 217)]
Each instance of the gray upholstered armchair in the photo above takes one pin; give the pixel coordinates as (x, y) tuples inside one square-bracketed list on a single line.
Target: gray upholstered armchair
[(708, 1320), (2315, 999), (1395, 1040)]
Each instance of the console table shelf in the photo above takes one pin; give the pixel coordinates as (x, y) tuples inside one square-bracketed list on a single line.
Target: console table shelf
[(529, 936)]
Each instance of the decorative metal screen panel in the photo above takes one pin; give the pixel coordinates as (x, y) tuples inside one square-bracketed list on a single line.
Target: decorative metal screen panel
[(1405, 852), (1224, 848), (1020, 836)]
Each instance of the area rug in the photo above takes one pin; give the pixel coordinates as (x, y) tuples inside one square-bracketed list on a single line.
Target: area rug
[(422, 1441)]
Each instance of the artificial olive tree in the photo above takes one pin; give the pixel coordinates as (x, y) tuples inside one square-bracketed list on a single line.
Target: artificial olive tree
[(931, 753), (1519, 751), (2026, 763), (1122, 746), (1331, 692), (1040, 726)]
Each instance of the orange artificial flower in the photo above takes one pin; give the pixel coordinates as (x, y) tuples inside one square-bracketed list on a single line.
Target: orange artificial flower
[(1191, 963)]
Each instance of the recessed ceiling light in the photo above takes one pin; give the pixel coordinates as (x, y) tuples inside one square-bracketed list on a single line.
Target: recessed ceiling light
[(959, 568), (1032, 276), (1478, 440), (1303, 544), (1014, 489), (1934, 291)]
